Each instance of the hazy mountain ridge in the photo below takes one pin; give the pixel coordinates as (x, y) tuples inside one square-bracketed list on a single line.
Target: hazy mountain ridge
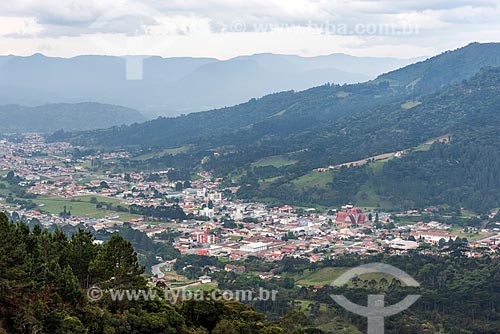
[(273, 114), (172, 86), (69, 117)]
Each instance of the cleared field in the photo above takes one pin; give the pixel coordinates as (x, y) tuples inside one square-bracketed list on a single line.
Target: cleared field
[(276, 161), (384, 156), (172, 151), (459, 231), (379, 164), (323, 276), (202, 287), (326, 276), (314, 179), (81, 206), (367, 197), (410, 104)]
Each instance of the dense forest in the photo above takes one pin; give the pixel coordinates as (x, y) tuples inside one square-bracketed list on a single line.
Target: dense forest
[(463, 171), (44, 278)]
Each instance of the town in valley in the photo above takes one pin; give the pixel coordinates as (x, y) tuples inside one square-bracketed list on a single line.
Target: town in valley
[(46, 184)]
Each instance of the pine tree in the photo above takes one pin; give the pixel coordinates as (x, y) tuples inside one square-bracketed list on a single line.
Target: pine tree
[(81, 252), (14, 266), (116, 265)]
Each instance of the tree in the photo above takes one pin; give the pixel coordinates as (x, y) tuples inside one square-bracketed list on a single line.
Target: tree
[(225, 327), (71, 325), (178, 186), (81, 252), (294, 322), (442, 243), (14, 263), (116, 265)]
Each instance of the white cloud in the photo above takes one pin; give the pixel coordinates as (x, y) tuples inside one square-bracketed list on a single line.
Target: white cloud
[(225, 28), (20, 27)]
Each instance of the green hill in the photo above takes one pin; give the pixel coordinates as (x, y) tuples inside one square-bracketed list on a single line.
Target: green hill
[(64, 116)]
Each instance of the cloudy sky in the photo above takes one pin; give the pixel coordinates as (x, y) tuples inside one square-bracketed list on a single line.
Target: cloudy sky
[(227, 28)]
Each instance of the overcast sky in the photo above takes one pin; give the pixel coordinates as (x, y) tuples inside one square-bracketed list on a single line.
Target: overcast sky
[(227, 28)]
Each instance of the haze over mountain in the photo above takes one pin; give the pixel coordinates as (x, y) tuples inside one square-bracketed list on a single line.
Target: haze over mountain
[(310, 108), (172, 86), (72, 117), (454, 94)]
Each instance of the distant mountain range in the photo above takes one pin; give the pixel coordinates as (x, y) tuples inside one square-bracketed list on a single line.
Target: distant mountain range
[(291, 113), (271, 145), (71, 117), (172, 86)]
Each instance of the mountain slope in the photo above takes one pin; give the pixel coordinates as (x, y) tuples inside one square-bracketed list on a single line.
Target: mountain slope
[(463, 173), (444, 69), (278, 115), (70, 117), (172, 86)]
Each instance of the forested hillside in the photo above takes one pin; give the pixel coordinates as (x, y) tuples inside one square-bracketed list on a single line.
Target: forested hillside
[(447, 68), (298, 112), (65, 116), (462, 172), (44, 278)]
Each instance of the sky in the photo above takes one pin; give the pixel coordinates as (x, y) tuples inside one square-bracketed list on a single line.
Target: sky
[(227, 28)]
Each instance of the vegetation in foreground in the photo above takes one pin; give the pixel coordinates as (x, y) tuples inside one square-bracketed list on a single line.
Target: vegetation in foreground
[(44, 277)]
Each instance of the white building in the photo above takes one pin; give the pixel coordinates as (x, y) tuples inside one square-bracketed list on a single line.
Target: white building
[(205, 279), (254, 247), (403, 244)]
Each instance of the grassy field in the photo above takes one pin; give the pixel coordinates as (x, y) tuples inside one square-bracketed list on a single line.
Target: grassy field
[(4, 190), (323, 276), (326, 276), (410, 104), (203, 287), (314, 179), (276, 161), (459, 231), (81, 206), (422, 147), (343, 94), (379, 164), (270, 180), (367, 198), (172, 151)]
